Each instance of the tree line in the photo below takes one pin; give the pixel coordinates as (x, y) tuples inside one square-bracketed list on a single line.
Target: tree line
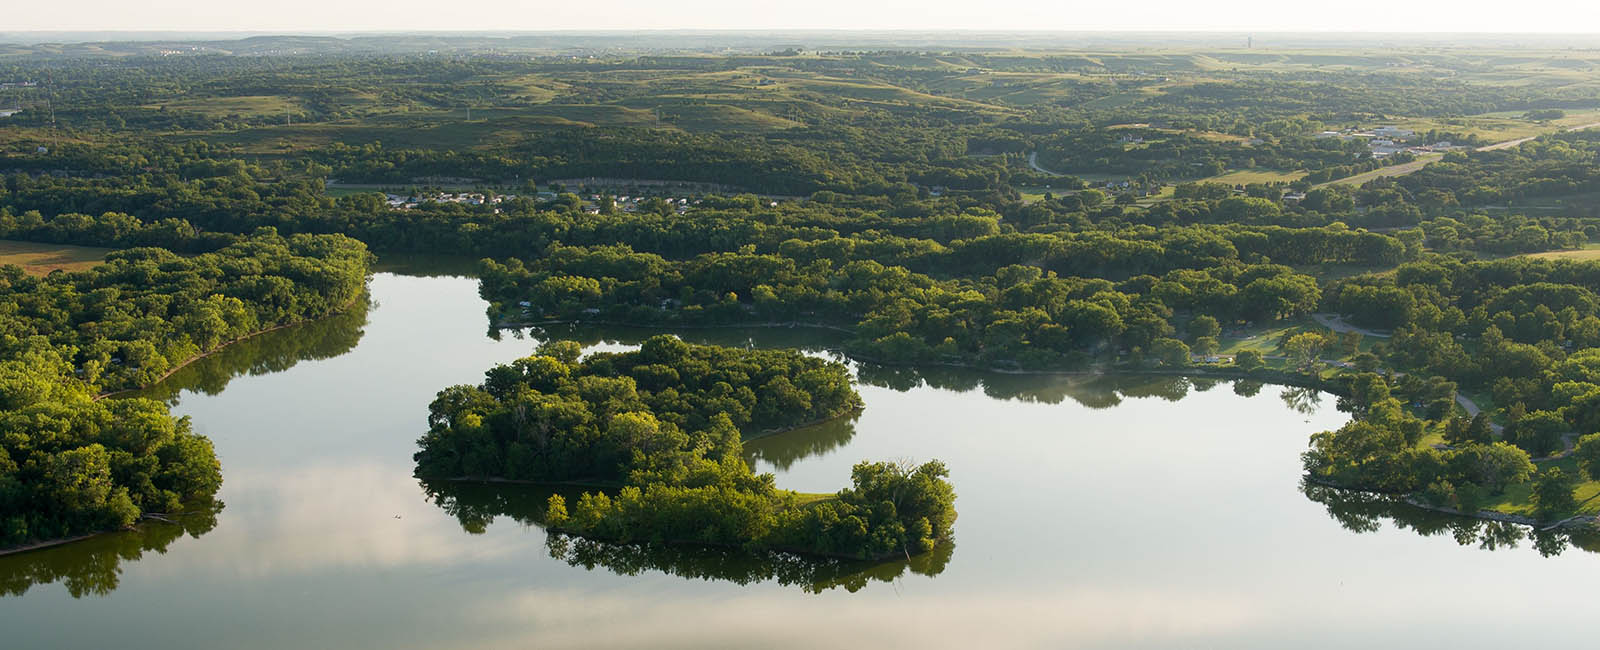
[(72, 463), (663, 427)]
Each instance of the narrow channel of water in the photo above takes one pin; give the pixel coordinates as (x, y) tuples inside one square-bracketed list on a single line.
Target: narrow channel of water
[(1134, 512)]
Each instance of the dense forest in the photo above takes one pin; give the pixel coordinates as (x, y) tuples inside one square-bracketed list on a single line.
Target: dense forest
[(72, 463), (1044, 211), (663, 425)]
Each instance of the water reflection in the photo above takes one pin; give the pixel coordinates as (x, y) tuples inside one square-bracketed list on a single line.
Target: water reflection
[(93, 567), (427, 265), (1247, 387), (1096, 391), (476, 505), (805, 339), (1201, 538), (742, 568), (1087, 389), (1303, 400), (1360, 512), (784, 449), (266, 353)]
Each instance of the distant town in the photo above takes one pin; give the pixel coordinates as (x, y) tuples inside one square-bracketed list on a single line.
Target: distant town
[(1385, 141)]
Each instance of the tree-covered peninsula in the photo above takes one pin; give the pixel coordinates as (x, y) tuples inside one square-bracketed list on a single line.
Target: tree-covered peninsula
[(72, 463), (660, 429)]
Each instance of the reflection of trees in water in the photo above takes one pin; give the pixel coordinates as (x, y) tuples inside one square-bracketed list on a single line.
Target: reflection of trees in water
[(426, 265), (740, 567), (476, 505), (266, 353), (810, 340), (906, 378), (1360, 512), (1247, 387), (94, 566), (1303, 400), (784, 449), (1169, 388), (1091, 391)]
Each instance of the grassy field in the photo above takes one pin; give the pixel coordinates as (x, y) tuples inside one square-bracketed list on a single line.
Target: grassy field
[(1517, 499), (1248, 176), (1502, 126), (248, 106), (1265, 340), (723, 118), (1237, 177), (1588, 252), (1031, 194), (41, 259)]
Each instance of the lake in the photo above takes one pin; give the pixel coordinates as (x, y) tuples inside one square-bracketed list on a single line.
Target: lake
[(1133, 512)]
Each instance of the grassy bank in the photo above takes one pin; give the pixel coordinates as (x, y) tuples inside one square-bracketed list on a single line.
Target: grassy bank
[(41, 259)]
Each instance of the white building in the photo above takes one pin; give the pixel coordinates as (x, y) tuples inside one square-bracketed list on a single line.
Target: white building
[(1393, 132)]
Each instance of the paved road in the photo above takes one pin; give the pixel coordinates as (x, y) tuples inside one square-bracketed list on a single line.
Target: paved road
[(1505, 145), (1033, 161), (1393, 170), (1472, 411), (1336, 323)]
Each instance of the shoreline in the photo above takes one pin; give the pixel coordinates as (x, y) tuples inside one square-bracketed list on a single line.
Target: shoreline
[(767, 433), (223, 346), (608, 323), (1261, 374), (1264, 375), (815, 555), (490, 480), (1579, 521), (60, 541), (51, 543)]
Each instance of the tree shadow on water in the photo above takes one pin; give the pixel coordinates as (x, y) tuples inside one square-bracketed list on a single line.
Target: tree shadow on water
[(477, 505), (1361, 512), (93, 567)]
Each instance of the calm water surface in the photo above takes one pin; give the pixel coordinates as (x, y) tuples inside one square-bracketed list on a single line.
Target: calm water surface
[(1148, 512)]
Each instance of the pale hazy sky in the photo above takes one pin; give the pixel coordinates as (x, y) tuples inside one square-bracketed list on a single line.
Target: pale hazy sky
[(1556, 16)]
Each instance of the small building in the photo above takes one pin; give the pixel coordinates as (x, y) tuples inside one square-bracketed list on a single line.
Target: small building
[(1393, 132)]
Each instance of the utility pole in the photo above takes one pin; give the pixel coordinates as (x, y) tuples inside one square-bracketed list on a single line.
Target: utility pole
[(55, 134)]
